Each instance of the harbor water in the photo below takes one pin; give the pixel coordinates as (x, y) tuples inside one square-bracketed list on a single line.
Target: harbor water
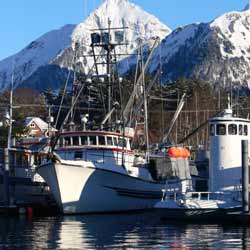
[(119, 231)]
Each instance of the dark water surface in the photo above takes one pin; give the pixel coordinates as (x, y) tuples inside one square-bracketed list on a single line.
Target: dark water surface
[(131, 231)]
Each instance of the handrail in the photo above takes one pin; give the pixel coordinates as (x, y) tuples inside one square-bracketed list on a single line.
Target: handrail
[(195, 195)]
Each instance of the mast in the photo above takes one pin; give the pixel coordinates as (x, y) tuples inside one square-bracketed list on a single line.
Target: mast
[(130, 103), (109, 71), (74, 84), (145, 104), (102, 40), (10, 113), (6, 150)]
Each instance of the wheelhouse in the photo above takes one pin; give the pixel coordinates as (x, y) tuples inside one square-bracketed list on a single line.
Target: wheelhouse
[(229, 128), (93, 139)]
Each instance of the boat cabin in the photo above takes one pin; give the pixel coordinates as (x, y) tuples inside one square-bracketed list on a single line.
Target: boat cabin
[(226, 135), (93, 139), (228, 128), (102, 147)]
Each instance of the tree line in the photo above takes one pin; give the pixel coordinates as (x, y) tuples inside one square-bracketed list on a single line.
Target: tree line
[(202, 102)]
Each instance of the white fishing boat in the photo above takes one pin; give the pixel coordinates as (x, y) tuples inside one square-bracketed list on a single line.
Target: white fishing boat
[(95, 170), (225, 175)]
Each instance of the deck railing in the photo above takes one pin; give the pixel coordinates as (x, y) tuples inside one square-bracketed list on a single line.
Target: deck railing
[(192, 195)]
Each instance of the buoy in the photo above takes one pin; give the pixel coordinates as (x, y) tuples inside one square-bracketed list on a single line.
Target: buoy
[(174, 152), (29, 211), (181, 153), (187, 153), (178, 152)]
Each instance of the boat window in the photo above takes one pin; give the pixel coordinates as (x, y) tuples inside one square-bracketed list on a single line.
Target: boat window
[(232, 129), (204, 196), (22, 159), (12, 158), (84, 140), (37, 159), (115, 141), (101, 140), (61, 142), (212, 130), (195, 195), (122, 142), (67, 141), (240, 129), (129, 143), (109, 141), (92, 140), (78, 155), (221, 129), (75, 141), (245, 130)]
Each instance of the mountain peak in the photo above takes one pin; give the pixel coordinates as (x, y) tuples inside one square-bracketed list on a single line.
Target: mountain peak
[(115, 1), (121, 13)]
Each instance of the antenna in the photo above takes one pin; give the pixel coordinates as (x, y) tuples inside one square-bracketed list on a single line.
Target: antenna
[(231, 93), (11, 106), (229, 104)]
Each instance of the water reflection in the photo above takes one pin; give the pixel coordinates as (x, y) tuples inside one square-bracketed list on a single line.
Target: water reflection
[(138, 231)]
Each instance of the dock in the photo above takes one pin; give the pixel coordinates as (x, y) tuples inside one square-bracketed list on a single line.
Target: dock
[(29, 210)]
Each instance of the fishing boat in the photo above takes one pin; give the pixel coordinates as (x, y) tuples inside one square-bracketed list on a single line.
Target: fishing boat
[(24, 184), (96, 169), (225, 175), (19, 181)]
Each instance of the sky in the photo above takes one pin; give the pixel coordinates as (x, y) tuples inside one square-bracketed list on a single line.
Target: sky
[(22, 21)]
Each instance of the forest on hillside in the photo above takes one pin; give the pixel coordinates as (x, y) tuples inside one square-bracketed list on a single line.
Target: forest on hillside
[(202, 102)]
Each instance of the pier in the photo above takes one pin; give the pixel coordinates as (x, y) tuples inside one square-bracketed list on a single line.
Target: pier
[(29, 210)]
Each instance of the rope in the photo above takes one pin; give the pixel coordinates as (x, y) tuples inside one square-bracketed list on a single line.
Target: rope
[(77, 97), (64, 91), (135, 80), (162, 104)]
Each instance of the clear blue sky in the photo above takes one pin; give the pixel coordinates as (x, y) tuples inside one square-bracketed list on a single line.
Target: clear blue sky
[(22, 21)]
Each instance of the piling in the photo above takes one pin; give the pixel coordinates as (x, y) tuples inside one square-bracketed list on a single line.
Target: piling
[(6, 178), (245, 177)]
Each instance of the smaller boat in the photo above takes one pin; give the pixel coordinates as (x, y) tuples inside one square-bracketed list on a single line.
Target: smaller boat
[(225, 174), (197, 205)]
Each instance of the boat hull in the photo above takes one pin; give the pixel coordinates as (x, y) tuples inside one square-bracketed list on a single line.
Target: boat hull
[(25, 191), (79, 189), (195, 214), (196, 209)]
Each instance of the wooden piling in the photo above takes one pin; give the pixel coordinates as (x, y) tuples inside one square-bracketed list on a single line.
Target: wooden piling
[(245, 177)]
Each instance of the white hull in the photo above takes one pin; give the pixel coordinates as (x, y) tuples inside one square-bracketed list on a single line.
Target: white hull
[(196, 213), (196, 208), (79, 189)]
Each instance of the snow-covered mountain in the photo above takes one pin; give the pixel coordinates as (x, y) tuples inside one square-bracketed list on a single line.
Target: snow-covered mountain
[(218, 52), (121, 13), (45, 61), (38, 53)]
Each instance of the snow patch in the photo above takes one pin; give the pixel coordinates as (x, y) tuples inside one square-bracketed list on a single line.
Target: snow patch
[(38, 53)]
